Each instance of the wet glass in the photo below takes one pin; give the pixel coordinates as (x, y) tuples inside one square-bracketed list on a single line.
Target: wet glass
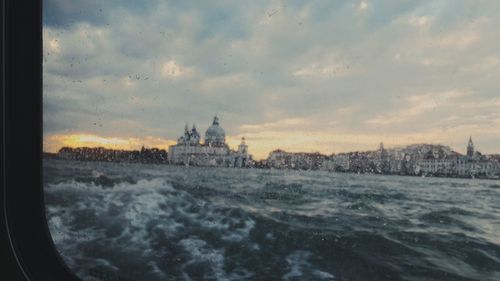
[(273, 140)]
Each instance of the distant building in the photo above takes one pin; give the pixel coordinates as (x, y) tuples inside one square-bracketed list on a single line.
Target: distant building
[(471, 165), (339, 163), (145, 155), (439, 164), (415, 159), (409, 160), (242, 158), (470, 149), (213, 152), (383, 163), (280, 159)]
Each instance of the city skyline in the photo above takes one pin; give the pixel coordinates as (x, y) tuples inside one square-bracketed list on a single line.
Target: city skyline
[(91, 141), (322, 76)]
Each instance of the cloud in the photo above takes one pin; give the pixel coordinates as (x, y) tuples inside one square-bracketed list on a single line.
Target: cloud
[(368, 68), (363, 5), (291, 123), (414, 106), (321, 70), (459, 40), (489, 64), (172, 69), (420, 21)]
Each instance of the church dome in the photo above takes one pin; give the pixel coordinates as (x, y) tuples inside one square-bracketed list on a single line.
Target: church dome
[(215, 134), (215, 131)]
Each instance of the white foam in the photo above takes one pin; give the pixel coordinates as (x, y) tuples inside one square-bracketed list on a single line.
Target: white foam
[(135, 206), (200, 251), (155, 269), (141, 185), (240, 234), (299, 267), (57, 229)]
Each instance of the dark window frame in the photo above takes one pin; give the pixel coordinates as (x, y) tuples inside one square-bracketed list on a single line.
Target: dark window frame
[(27, 250)]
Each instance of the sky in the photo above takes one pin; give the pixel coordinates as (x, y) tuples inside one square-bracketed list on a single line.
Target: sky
[(327, 76)]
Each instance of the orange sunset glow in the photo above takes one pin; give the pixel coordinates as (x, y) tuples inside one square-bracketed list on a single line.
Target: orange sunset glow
[(264, 140), (55, 142)]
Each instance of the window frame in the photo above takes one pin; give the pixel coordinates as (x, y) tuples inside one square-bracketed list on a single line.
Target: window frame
[(27, 248)]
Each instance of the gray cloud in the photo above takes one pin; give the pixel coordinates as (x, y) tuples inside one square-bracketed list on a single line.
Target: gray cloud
[(145, 68)]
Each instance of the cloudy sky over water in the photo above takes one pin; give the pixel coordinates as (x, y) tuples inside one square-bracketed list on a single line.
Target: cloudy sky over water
[(326, 76)]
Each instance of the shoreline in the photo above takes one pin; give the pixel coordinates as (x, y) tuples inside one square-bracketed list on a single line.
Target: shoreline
[(53, 156)]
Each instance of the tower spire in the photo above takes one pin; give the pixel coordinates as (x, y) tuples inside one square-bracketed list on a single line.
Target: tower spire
[(470, 148)]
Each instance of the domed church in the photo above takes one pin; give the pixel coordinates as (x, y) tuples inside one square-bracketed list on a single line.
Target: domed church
[(213, 152), (215, 135)]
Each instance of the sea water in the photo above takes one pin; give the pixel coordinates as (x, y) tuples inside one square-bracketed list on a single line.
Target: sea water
[(115, 221)]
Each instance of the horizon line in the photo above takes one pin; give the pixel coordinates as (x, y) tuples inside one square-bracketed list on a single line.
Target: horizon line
[(289, 151)]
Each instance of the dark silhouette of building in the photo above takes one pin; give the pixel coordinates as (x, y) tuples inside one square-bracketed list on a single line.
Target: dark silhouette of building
[(145, 155)]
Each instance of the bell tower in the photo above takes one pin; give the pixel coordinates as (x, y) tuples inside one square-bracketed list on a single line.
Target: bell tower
[(243, 147), (470, 148)]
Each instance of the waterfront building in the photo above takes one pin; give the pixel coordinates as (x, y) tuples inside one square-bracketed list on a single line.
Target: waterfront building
[(415, 159), (145, 155), (382, 160), (471, 165), (470, 148), (439, 164), (280, 159), (410, 160), (213, 152), (337, 162), (242, 158), (363, 162)]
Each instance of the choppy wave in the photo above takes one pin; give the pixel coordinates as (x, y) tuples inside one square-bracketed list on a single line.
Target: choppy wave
[(153, 222)]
